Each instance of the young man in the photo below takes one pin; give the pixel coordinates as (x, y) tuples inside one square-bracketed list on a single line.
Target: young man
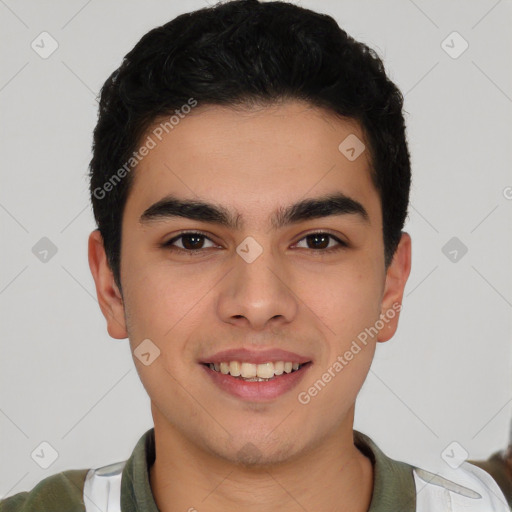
[(250, 181)]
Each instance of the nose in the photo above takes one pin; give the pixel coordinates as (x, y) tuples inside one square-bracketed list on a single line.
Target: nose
[(257, 292)]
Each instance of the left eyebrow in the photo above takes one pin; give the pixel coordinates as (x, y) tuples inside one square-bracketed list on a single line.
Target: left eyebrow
[(307, 209)]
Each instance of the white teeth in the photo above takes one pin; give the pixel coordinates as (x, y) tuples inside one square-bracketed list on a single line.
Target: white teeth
[(248, 370), (234, 368), (278, 368), (265, 370), (254, 372)]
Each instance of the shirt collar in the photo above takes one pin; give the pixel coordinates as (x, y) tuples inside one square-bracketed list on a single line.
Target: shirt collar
[(393, 481)]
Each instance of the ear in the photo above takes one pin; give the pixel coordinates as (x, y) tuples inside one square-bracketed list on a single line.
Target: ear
[(109, 297), (396, 278)]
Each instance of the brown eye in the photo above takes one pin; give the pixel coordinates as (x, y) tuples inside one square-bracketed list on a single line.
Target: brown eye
[(191, 241), (322, 242), (318, 241)]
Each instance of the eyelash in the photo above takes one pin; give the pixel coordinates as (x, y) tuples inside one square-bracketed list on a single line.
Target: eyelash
[(196, 252)]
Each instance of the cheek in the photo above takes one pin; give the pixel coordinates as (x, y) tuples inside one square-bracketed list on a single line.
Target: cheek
[(158, 295), (339, 389), (346, 298), (164, 305)]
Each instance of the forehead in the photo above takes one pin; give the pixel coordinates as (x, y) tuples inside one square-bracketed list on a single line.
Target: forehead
[(253, 159)]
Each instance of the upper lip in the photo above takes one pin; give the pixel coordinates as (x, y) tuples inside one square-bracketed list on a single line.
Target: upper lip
[(255, 357)]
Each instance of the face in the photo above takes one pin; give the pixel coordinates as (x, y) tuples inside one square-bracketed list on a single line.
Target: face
[(253, 281)]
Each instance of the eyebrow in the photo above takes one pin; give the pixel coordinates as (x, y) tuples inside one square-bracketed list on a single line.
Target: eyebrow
[(311, 208)]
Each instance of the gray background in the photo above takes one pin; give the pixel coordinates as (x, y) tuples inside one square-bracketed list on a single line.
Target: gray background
[(444, 377)]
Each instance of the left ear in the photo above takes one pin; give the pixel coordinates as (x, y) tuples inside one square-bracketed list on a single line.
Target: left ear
[(396, 278)]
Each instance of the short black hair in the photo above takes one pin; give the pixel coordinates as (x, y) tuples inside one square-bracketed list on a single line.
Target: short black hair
[(247, 52)]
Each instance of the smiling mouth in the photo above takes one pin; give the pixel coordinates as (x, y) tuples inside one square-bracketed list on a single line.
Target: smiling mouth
[(250, 372)]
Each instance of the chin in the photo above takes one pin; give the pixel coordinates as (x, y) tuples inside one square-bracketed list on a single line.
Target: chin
[(252, 456), (257, 451)]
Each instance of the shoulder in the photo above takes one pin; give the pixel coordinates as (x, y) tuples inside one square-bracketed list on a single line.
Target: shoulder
[(467, 488), (62, 491)]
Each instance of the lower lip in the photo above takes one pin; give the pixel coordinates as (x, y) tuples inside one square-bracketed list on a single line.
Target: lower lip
[(257, 391)]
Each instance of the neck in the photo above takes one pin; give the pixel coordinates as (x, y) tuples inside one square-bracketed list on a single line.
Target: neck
[(333, 476)]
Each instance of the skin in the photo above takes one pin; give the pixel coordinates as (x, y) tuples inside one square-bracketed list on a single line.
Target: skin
[(292, 296)]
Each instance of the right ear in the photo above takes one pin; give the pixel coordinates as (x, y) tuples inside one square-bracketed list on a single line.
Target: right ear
[(109, 297)]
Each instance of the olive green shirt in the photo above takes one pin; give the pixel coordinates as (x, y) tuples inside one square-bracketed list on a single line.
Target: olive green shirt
[(393, 489)]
